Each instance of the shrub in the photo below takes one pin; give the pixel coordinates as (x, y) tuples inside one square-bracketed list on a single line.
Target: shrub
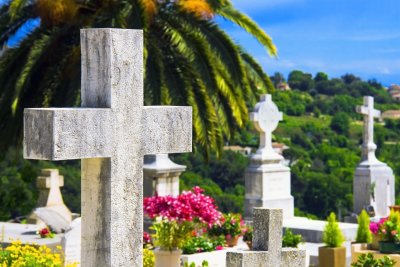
[(170, 235), (389, 229), (367, 260), (363, 232), (20, 255), (332, 235), (232, 225), (291, 240), (198, 244), (148, 258)]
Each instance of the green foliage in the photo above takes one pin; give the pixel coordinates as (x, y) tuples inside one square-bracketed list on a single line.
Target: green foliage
[(203, 243), (231, 226), (363, 233), (192, 264), (368, 260), (389, 231), (291, 240), (170, 235), (332, 235), (340, 123), (148, 258)]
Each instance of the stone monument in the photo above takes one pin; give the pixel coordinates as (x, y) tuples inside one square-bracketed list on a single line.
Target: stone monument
[(267, 180), (373, 180), (267, 244), (161, 176), (49, 183), (110, 133)]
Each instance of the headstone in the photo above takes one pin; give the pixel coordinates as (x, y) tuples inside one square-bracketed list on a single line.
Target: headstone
[(110, 133), (161, 176), (49, 183), (53, 219), (71, 243), (267, 179), (373, 180), (267, 244)]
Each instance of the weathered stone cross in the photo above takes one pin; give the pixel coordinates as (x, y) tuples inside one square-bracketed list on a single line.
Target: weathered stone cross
[(110, 133), (266, 117), (369, 113), (267, 244)]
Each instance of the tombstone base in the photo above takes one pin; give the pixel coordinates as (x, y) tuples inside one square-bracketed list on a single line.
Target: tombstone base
[(268, 186), (287, 204), (373, 186)]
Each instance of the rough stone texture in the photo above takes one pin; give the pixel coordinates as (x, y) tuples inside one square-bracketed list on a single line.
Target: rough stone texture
[(374, 183), (267, 244), (49, 183), (247, 258), (292, 257), (267, 180), (111, 133)]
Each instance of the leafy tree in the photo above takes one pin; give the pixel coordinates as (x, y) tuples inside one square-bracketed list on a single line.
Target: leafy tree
[(301, 81), (189, 60), (340, 123), (277, 78), (321, 76)]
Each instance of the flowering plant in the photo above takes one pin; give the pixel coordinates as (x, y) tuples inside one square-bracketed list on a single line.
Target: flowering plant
[(19, 255), (147, 243), (232, 226), (177, 217), (188, 206), (390, 228), (45, 233), (374, 226)]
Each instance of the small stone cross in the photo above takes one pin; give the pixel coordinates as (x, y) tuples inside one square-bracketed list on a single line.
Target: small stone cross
[(266, 117), (267, 244), (369, 113), (110, 133)]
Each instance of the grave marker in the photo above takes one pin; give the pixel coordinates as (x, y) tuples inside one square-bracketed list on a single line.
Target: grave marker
[(267, 244), (267, 180), (110, 133), (373, 180)]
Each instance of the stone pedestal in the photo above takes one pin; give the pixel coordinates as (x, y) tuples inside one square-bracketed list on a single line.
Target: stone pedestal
[(161, 176), (374, 186), (268, 185)]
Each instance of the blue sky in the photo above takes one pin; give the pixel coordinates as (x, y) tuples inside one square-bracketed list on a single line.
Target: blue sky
[(334, 36)]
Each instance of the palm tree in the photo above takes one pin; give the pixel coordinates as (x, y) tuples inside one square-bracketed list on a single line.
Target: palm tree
[(189, 60)]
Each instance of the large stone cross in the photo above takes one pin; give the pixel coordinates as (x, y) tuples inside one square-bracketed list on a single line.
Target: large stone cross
[(267, 244), (369, 113), (266, 117), (110, 133)]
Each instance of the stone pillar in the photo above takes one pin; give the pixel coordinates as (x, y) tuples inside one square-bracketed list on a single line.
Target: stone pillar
[(373, 184), (267, 180), (49, 183), (161, 176)]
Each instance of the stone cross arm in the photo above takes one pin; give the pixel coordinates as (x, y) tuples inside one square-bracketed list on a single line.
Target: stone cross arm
[(78, 133), (366, 110)]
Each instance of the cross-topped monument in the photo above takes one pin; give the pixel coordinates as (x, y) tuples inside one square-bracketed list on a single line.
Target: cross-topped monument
[(267, 180), (369, 113), (110, 133), (373, 184), (266, 117), (267, 244)]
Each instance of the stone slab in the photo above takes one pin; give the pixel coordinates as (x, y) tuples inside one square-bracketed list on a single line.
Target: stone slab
[(26, 233), (311, 230)]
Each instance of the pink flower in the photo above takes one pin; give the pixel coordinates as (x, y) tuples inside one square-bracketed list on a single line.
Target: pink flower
[(219, 248), (393, 233), (228, 236), (374, 228)]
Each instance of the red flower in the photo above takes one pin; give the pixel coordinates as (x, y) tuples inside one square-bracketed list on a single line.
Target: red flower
[(219, 248)]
